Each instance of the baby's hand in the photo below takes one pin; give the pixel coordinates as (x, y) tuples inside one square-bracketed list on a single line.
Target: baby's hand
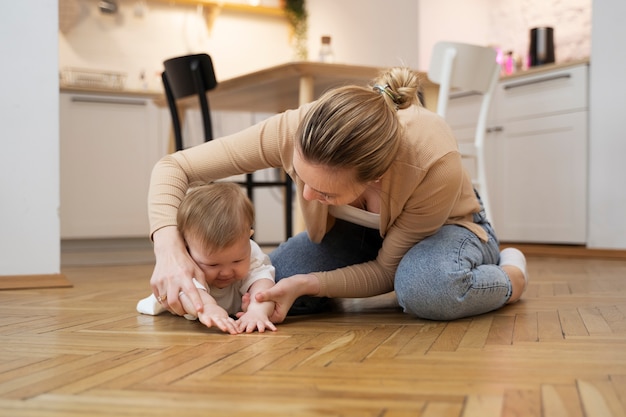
[(215, 316), (253, 319)]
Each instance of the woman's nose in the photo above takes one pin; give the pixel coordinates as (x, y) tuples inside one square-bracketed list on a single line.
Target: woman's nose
[(309, 194)]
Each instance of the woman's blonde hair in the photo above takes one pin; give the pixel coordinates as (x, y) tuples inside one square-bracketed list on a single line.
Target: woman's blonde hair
[(216, 215), (356, 127)]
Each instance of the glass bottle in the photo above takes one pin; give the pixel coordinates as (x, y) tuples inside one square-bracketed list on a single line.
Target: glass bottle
[(326, 51)]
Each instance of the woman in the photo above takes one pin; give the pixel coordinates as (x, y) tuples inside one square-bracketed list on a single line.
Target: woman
[(385, 200)]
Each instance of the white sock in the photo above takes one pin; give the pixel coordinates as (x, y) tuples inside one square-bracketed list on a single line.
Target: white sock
[(150, 305), (514, 257)]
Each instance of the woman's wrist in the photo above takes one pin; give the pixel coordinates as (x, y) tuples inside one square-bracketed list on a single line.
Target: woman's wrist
[(308, 284), (166, 238)]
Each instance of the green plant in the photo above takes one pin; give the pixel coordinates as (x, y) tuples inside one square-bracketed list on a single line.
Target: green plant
[(295, 10)]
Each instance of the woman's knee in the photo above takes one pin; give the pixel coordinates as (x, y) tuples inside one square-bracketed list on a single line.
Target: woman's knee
[(431, 289), (420, 296), (451, 294), (434, 279)]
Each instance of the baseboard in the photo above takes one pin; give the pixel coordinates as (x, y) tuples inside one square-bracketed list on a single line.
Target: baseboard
[(113, 251), (105, 252), (566, 251), (22, 282)]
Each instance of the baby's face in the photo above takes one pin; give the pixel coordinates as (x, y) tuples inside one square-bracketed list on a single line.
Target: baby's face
[(222, 267)]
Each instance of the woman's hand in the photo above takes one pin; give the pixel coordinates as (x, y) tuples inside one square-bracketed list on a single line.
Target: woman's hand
[(174, 271), (285, 292)]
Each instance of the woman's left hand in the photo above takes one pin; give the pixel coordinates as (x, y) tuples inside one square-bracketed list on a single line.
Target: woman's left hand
[(285, 292)]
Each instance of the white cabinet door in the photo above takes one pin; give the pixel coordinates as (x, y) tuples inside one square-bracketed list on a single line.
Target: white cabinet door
[(539, 179), (109, 145)]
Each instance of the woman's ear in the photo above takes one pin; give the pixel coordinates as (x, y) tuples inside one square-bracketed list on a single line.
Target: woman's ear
[(251, 232)]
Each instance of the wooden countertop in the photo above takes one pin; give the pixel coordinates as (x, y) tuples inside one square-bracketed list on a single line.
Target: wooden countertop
[(283, 86), (279, 87)]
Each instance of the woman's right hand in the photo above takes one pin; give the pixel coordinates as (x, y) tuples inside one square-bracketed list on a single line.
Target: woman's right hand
[(174, 271), (284, 293)]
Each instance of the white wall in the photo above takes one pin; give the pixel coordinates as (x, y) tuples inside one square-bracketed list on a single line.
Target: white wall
[(469, 22), (381, 33), (376, 32), (130, 43), (607, 146), (505, 24), (29, 160)]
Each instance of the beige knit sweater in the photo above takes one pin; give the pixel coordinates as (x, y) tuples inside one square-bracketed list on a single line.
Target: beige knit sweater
[(424, 189)]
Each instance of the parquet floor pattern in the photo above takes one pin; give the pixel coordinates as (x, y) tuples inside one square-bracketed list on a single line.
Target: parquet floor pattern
[(84, 351)]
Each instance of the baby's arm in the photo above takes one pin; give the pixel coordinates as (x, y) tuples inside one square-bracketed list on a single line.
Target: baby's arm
[(212, 315), (257, 314)]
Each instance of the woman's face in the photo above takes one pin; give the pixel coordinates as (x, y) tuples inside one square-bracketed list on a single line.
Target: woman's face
[(331, 186)]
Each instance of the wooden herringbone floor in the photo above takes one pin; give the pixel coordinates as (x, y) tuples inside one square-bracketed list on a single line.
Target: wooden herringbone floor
[(84, 351)]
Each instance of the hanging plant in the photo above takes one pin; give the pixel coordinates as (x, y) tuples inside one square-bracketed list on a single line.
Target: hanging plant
[(295, 10)]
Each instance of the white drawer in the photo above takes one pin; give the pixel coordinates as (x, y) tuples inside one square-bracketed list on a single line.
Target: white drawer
[(547, 93), (463, 109)]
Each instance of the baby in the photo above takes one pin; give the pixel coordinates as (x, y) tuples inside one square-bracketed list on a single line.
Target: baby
[(216, 220)]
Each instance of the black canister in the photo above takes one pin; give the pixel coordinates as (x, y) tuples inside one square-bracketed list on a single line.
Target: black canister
[(541, 46)]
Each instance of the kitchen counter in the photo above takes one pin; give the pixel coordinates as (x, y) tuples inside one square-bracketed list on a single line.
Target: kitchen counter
[(158, 95), (544, 68)]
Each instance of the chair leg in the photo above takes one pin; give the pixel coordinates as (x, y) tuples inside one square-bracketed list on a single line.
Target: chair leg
[(289, 195), (171, 101), (250, 186), (288, 207)]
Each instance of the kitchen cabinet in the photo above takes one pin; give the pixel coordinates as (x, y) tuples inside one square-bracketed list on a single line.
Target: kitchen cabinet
[(536, 150), (109, 144)]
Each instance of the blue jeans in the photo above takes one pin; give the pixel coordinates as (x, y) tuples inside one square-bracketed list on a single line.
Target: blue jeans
[(449, 275)]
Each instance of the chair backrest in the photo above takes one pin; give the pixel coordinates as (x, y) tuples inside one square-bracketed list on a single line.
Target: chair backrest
[(471, 69), (462, 66), (185, 76)]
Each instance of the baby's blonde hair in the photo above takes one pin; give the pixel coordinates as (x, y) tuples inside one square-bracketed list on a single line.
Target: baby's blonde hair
[(216, 215), (356, 127)]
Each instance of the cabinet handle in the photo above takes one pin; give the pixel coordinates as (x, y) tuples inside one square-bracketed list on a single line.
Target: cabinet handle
[(131, 102), (495, 129), (464, 94), (537, 81)]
